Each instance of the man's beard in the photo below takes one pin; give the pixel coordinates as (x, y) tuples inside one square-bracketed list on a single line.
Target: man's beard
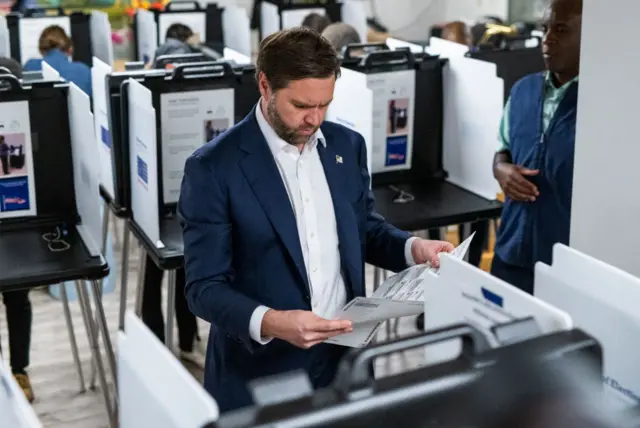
[(287, 134)]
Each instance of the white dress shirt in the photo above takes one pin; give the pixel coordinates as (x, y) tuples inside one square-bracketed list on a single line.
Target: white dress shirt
[(306, 184)]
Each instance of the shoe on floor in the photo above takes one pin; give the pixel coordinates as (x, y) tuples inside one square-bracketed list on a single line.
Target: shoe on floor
[(25, 384), (195, 358)]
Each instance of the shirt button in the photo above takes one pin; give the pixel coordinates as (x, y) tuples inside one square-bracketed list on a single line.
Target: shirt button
[(315, 269), (313, 234), (306, 200)]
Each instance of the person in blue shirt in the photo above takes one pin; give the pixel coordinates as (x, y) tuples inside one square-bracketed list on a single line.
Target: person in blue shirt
[(534, 164), (56, 48)]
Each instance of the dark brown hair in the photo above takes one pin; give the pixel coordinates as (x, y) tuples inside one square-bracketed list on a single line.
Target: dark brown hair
[(455, 32), (54, 37), (316, 22), (296, 54)]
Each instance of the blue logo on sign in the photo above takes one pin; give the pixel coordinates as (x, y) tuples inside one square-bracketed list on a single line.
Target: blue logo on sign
[(492, 297), (14, 194), (143, 170), (105, 137), (396, 151)]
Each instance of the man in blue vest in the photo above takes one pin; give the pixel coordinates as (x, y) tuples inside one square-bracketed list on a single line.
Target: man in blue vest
[(534, 164)]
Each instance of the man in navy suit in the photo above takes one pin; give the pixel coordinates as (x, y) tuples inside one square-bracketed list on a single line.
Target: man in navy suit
[(278, 222)]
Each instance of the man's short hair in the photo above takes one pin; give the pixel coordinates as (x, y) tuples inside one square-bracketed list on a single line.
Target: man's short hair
[(296, 54), (341, 35), (12, 65), (179, 32), (316, 22)]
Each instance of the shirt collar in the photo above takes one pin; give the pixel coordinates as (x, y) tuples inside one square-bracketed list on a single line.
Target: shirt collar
[(277, 144), (548, 79)]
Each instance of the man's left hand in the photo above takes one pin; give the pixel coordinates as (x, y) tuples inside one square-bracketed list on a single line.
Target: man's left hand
[(424, 251)]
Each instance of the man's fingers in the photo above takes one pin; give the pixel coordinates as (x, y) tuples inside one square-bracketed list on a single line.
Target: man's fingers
[(323, 325), (516, 195), (525, 185)]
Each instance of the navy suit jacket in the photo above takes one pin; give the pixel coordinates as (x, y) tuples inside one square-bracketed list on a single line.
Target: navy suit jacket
[(242, 250)]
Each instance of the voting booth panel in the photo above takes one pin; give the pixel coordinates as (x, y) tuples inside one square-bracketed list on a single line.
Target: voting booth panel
[(463, 292), (513, 64), (39, 179), (143, 161), (15, 411), (403, 87), (155, 390), (473, 108), (101, 44), (236, 30), (116, 87), (349, 87), (600, 298), (24, 32), (5, 46), (150, 27)]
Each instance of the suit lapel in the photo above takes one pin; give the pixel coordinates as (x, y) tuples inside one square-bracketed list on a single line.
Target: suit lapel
[(347, 226), (262, 174)]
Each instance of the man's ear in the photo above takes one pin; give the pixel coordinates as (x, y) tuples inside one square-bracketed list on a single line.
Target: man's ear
[(263, 86)]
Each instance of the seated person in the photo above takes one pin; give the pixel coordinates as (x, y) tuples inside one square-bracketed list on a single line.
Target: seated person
[(56, 48), (316, 22), (178, 41), (340, 35)]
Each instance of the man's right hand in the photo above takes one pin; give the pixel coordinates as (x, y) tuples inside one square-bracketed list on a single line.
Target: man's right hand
[(513, 181), (303, 329)]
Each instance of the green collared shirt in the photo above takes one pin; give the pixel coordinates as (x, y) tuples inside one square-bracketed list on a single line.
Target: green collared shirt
[(552, 98)]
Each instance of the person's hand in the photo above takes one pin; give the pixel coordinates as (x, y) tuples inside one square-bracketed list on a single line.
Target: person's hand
[(514, 184), (424, 251), (303, 329)]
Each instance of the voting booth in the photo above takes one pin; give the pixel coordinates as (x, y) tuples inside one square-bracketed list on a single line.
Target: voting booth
[(155, 390), (276, 15), (168, 118), (90, 33), (215, 26), (601, 301), (50, 219), (433, 395), (392, 89), (460, 291)]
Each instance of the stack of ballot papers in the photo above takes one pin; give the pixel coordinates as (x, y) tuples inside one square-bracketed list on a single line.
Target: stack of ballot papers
[(402, 295)]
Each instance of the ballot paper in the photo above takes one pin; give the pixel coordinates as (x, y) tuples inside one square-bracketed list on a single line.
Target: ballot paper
[(402, 295)]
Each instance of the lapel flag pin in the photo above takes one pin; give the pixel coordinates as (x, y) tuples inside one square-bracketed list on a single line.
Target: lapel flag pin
[(338, 159)]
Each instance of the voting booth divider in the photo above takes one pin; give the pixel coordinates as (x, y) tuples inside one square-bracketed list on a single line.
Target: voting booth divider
[(156, 390), (15, 410), (5, 46), (461, 291), (601, 300), (216, 27), (90, 33), (276, 15), (50, 209)]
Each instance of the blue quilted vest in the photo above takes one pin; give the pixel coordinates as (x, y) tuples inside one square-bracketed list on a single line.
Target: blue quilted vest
[(528, 230)]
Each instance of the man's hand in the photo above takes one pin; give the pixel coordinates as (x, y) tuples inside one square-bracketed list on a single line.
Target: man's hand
[(513, 181), (424, 251), (303, 329)]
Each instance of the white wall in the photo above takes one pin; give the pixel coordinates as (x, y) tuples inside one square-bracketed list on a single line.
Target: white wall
[(412, 19), (605, 219)]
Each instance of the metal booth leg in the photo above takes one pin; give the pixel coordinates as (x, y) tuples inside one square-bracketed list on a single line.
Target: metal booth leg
[(171, 297), (140, 287), (72, 336), (102, 325), (85, 305), (125, 275), (106, 214)]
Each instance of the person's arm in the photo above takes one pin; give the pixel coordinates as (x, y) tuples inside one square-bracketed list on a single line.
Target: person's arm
[(208, 253), (386, 246), (512, 178)]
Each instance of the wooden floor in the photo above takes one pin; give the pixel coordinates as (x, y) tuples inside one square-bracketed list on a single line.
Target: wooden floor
[(59, 402)]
